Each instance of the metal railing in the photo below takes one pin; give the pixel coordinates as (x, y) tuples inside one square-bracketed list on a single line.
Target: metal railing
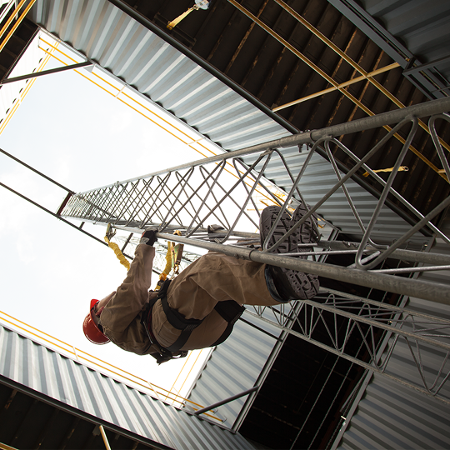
[(192, 196)]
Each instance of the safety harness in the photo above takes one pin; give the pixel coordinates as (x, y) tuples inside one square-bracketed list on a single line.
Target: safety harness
[(163, 354), (229, 310)]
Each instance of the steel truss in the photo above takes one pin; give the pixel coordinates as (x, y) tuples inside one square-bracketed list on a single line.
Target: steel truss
[(229, 192), (190, 196), (332, 319)]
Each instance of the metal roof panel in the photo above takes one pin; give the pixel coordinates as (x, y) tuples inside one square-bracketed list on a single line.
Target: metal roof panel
[(92, 393)]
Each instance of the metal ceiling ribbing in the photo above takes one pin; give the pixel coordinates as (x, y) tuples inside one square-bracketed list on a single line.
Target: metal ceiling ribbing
[(69, 384), (421, 26), (235, 366), (414, 33), (388, 415), (391, 416), (133, 53)]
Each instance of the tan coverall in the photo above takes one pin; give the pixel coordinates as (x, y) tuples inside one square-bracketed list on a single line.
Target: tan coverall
[(194, 292)]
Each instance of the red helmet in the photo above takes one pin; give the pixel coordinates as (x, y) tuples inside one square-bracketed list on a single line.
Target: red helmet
[(91, 330)]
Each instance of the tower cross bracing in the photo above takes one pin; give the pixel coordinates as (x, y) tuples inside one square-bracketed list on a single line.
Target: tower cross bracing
[(229, 191)]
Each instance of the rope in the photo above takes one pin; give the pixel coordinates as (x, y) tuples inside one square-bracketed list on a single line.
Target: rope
[(170, 262), (168, 267), (400, 169), (170, 256), (124, 261), (203, 4)]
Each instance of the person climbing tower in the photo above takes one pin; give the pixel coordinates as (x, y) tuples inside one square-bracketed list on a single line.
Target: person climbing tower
[(200, 306)]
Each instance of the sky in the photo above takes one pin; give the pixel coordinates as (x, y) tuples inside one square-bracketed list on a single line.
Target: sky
[(83, 138)]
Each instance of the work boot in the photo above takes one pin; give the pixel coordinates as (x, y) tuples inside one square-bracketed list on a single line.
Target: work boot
[(288, 283)]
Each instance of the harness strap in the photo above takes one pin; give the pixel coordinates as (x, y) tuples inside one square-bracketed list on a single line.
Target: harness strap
[(230, 311), (177, 320), (163, 354), (145, 322)]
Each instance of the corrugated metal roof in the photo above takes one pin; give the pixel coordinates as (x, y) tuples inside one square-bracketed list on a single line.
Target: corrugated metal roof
[(414, 33), (393, 416), (390, 415), (234, 367), (227, 43), (133, 53), (422, 26), (91, 393)]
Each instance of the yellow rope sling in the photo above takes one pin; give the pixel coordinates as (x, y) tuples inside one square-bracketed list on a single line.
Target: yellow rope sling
[(124, 261), (172, 260)]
